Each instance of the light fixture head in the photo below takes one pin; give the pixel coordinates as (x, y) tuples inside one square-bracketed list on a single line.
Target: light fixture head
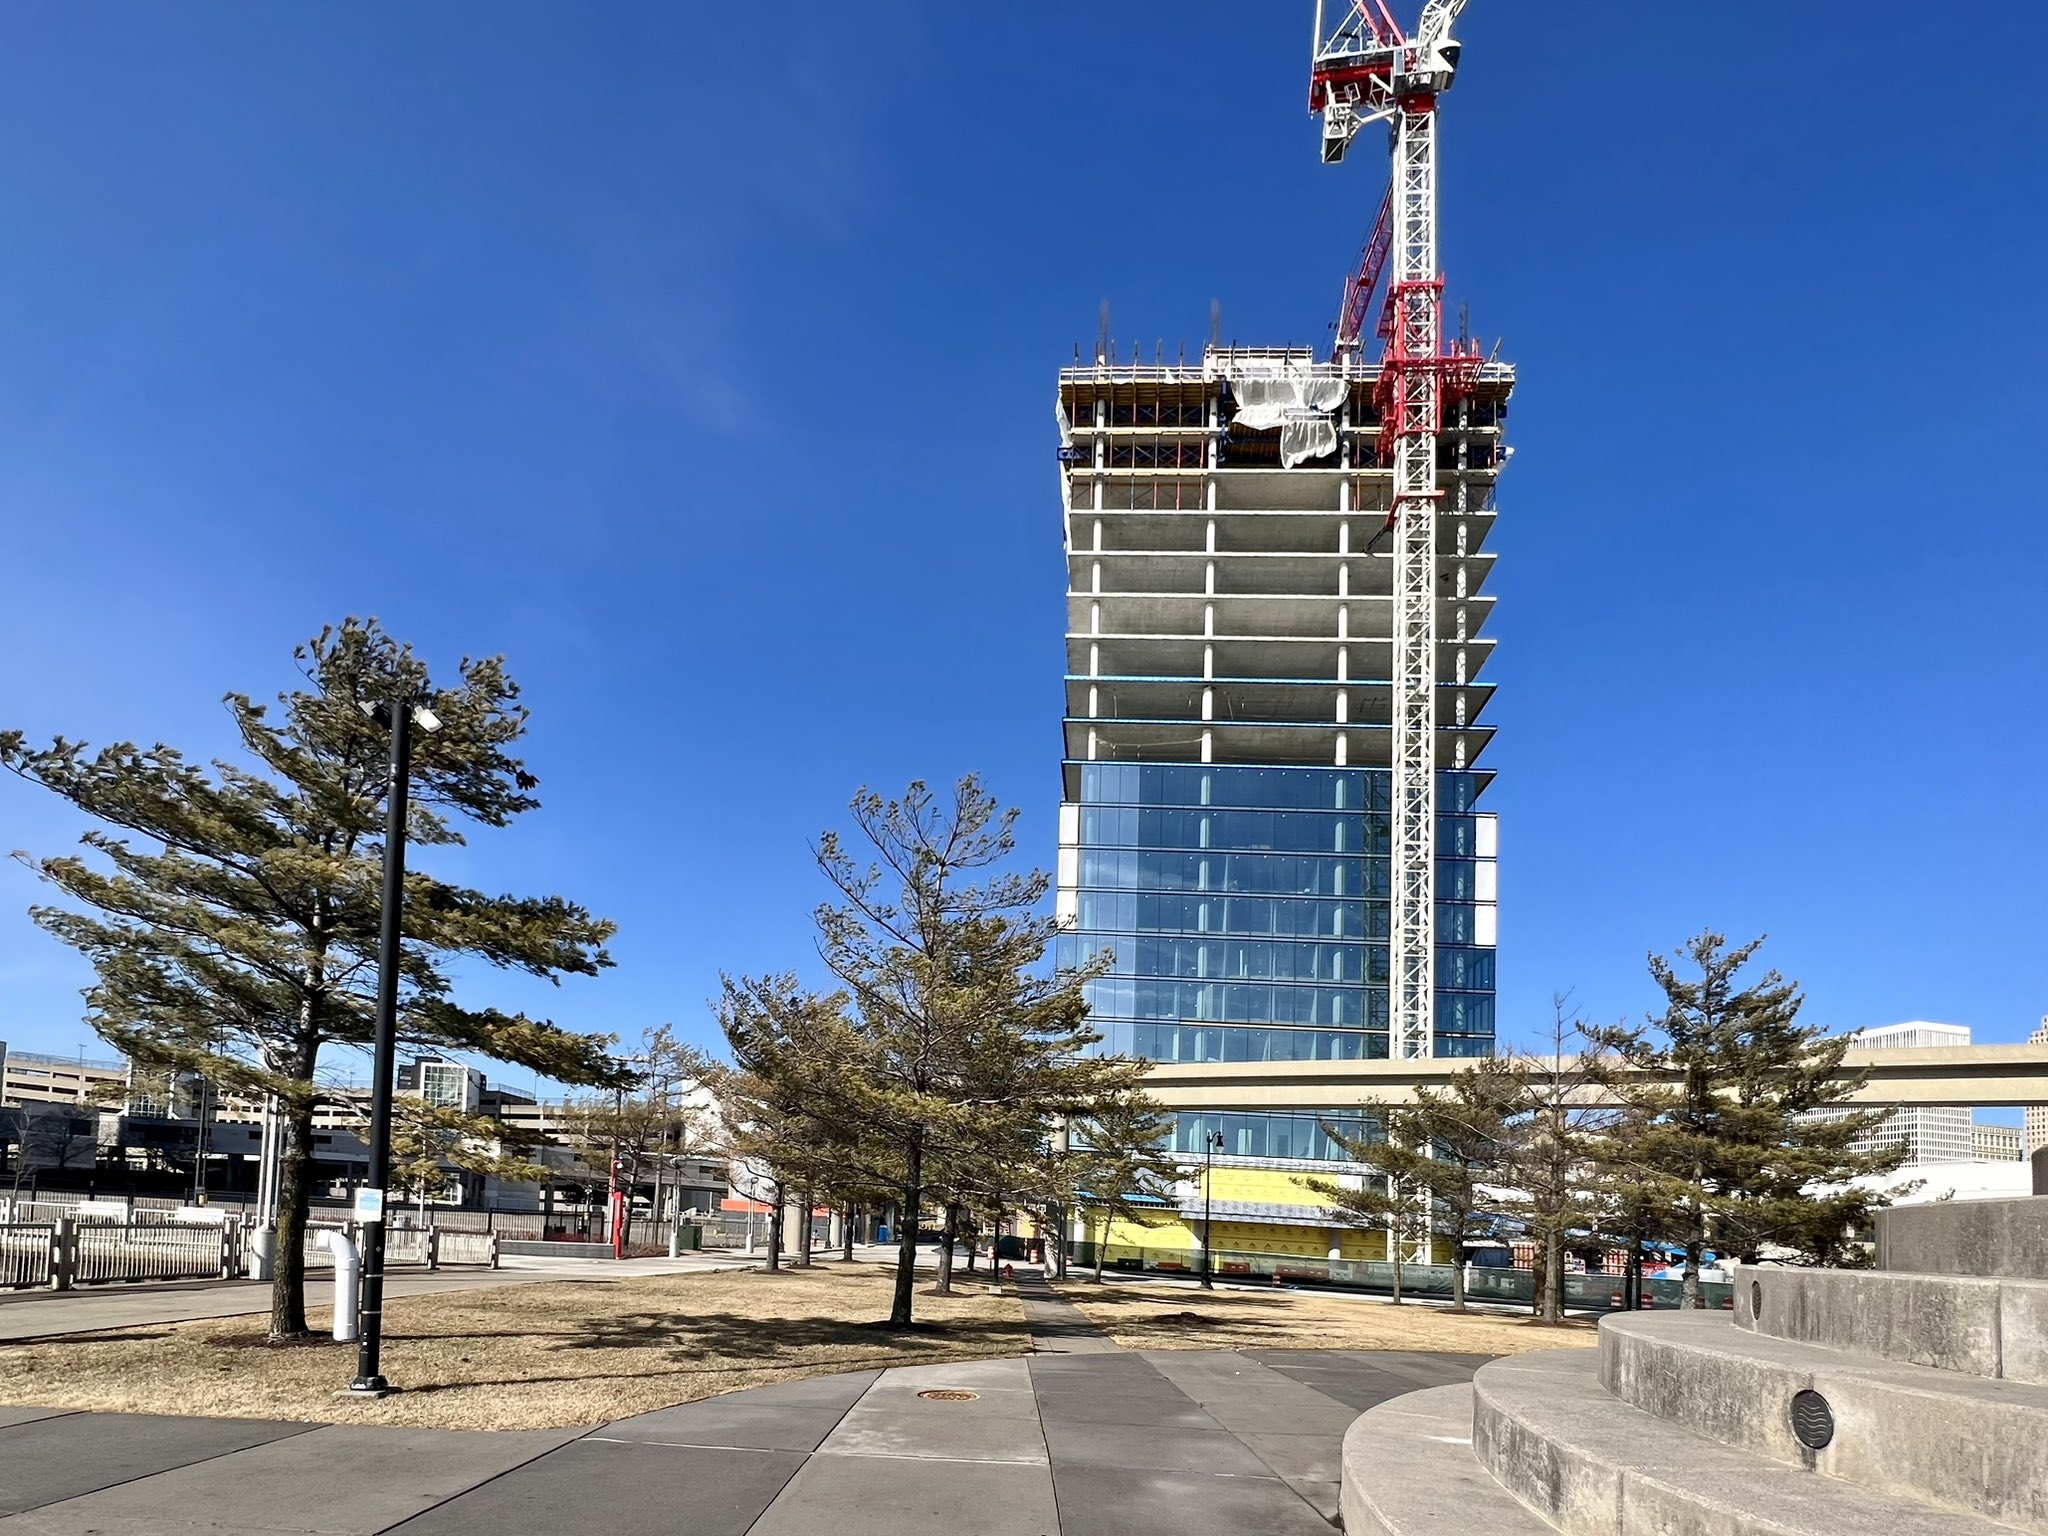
[(425, 718)]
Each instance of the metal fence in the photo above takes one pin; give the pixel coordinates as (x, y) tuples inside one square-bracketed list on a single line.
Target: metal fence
[(26, 1248), (150, 1245), (455, 1247), (98, 1247)]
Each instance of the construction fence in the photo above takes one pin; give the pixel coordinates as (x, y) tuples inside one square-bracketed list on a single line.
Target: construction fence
[(1511, 1287)]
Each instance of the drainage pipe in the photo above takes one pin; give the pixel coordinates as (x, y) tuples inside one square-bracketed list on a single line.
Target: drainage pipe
[(348, 1277)]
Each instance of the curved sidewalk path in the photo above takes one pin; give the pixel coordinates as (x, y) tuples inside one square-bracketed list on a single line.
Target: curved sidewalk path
[(1079, 1439)]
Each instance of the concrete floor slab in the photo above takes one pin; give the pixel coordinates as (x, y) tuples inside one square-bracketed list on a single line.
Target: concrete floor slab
[(1249, 1398), (68, 1455), (1092, 1367), (959, 1375), (881, 1496), (954, 1431), (621, 1490), (27, 1415), (1158, 1410), (1129, 1446), (788, 1416), (1325, 1498), (1361, 1380), (1315, 1458), (1112, 1501), (345, 1479)]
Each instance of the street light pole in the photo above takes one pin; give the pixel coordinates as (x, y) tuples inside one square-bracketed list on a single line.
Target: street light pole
[(1212, 1143), (369, 1381)]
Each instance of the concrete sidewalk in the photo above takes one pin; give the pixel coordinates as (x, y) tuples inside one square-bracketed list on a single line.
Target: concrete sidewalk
[(42, 1314), (1109, 1443)]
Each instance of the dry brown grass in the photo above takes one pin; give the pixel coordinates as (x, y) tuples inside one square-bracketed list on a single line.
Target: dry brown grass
[(525, 1356), (1170, 1317)]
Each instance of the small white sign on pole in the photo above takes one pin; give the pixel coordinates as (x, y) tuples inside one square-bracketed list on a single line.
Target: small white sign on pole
[(369, 1204)]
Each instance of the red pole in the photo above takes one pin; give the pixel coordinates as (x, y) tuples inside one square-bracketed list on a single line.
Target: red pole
[(617, 1208)]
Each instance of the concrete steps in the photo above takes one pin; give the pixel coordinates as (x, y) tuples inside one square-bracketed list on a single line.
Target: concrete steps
[(1908, 1401), (1981, 1327), (1942, 1437), (1417, 1476), (1592, 1465)]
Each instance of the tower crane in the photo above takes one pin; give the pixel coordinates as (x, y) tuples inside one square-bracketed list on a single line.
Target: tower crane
[(1365, 70)]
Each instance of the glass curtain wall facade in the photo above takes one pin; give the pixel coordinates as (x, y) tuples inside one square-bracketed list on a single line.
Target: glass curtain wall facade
[(1244, 912)]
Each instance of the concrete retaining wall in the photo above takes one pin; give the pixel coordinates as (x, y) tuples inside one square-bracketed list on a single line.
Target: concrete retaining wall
[(1995, 1238), (1953, 1323), (509, 1246)]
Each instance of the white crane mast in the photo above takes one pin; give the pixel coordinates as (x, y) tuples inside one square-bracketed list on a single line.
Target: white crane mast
[(1366, 71)]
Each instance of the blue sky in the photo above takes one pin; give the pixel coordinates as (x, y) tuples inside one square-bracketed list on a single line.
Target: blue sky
[(700, 359)]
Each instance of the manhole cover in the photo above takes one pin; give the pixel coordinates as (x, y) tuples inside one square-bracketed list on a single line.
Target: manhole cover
[(1813, 1421), (946, 1395)]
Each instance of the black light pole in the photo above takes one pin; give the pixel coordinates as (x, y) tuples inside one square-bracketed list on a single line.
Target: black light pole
[(1212, 1143), (369, 1380)]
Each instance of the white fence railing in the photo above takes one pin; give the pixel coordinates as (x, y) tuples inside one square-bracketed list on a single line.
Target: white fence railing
[(152, 1245), (105, 1247), (25, 1254)]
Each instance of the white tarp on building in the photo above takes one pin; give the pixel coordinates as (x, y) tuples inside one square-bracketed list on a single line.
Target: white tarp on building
[(1296, 401)]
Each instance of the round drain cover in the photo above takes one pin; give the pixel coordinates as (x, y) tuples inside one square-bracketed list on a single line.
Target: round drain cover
[(1756, 1298), (942, 1395), (1813, 1421)]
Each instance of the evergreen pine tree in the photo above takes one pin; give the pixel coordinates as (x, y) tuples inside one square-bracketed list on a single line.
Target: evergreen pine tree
[(1742, 1134), (231, 916)]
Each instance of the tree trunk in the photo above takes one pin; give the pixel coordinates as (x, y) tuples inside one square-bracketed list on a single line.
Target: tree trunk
[(846, 1235), (947, 1234), (1553, 1279), (1101, 1245), (1394, 1248), (1056, 1229), (1458, 1262), (294, 1197), (775, 1228), (808, 1197), (906, 1236), (1695, 1246)]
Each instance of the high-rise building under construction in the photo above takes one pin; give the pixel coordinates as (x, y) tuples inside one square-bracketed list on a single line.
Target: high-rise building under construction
[(1226, 831)]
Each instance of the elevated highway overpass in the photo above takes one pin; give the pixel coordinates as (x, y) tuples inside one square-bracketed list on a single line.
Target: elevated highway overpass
[(1987, 1075)]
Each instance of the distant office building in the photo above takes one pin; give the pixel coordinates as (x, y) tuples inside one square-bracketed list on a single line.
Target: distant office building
[(1995, 1143), (2037, 1114), (1929, 1133), (443, 1083)]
